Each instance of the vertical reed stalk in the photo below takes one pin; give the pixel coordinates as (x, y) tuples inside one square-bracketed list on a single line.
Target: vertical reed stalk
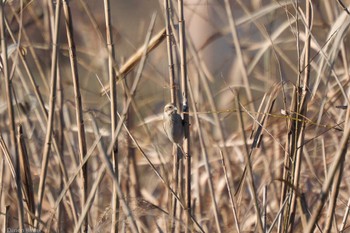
[(78, 104), (89, 199), (289, 159), (176, 159), (301, 111), (132, 93), (2, 172), (237, 45), (251, 184), (264, 209), (48, 136), (42, 116), (114, 118), (11, 117), (339, 158), (26, 179), (169, 38), (110, 170), (345, 217), (31, 49), (6, 212), (207, 164), (185, 110), (287, 164), (161, 178), (229, 190), (333, 199), (61, 221), (205, 75)]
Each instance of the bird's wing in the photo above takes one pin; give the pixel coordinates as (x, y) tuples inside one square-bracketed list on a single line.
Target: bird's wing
[(164, 127)]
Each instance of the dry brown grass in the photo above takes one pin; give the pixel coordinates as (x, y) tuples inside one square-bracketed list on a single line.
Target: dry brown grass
[(82, 143)]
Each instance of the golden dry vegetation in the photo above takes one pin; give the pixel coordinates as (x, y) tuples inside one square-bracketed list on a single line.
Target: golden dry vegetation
[(262, 85)]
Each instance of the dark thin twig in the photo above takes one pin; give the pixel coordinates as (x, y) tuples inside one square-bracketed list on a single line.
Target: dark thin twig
[(344, 7)]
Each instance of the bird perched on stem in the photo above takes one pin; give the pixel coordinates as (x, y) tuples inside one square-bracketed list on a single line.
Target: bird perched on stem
[(173, 126)]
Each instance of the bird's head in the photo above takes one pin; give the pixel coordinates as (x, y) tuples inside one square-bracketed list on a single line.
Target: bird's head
[(170, 109)]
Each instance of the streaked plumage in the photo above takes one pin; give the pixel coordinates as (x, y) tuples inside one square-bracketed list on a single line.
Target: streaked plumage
[(173, 124)]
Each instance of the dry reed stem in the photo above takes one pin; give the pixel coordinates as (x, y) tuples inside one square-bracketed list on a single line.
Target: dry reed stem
[(78, 105), (25, 175), (232, 200), (333, 199), (2, 172), (8, 159), (251, 184), (175, 183), (134, 87), (239, 54), (302, 95), (108, 165), (337, 34), (338, 175), (34, 84), (160, 176), (169, 37), (15, 172), (101, 148), (74, 175), (287, 161), (6, 152), (303, 209), (130, 97), (6, 218), (185, 109), (264, 204), (134, 178), (206, 162), (278, 216), (260, 124), (345, 216), (338, 159), (343, 6), (173, 91), (288, 215), (259, 35), (137, 56), (89, 199), (61, 221), (114, 119), (48, 136), (110, 169), (31, 50), (11, 117), (206, 75)]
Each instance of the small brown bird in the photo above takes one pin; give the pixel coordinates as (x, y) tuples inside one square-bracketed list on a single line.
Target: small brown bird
[(173, 125)]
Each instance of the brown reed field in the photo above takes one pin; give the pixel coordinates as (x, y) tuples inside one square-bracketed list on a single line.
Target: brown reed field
[(262, 87)]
